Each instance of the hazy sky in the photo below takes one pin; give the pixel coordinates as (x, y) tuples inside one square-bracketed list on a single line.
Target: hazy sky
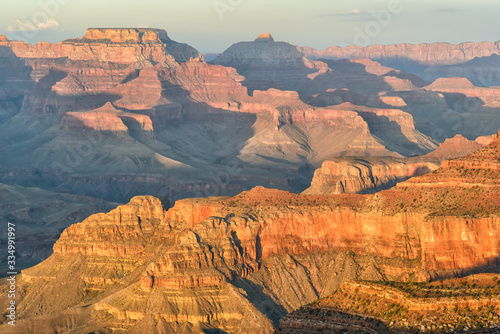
[(213, 25)]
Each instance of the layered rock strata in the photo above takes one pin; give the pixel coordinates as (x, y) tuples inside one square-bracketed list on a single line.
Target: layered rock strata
[(368, 175), (239, 264), (428, 54)]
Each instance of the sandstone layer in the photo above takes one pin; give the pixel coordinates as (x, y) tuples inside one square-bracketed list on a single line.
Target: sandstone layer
[(460, 305), (115, 45), (90, 113), (368, 175), (238, 264), (357, 175)]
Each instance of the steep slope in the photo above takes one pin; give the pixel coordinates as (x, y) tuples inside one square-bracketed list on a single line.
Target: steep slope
[(363, 175), (481, 71), (368, 175), (268, 64), (239, 264), (458, 305), (140, 117)]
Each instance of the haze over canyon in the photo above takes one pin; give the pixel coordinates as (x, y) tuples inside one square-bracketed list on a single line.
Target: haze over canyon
[(269, 188)]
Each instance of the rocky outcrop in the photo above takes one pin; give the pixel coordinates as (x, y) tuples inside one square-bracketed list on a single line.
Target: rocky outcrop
[(266, 63), (263, 49), (112, 45), (463, 87), (364, 175), (461, 305), (456, 147), (368, 175), (232, 263), (265, 37), (106, 119), (134, 35)]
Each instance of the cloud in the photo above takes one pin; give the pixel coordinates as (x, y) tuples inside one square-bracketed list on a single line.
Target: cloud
[(352, 15), (34, 25)]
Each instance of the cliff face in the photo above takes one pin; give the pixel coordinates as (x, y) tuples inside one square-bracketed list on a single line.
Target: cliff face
[(458, 305), (367, 175), (137, 35), (113, 45), (477, 62), (427, 54), (350, 175), (232, 263), (274, 115), (463, 87)]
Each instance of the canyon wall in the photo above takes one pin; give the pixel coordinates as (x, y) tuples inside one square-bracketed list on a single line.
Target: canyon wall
[(114, 45), (424, 54), (344, 175), (368, 175), (240, 263)]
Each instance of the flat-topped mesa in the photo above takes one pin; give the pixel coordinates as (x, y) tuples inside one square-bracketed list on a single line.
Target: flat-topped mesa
[(265, 37), (124, 46), (126, 35)]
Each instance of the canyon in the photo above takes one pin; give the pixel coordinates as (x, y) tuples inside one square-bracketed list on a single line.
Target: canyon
[(260, 185), (475, 61), (126, 112), (231, 263), (369, 175)]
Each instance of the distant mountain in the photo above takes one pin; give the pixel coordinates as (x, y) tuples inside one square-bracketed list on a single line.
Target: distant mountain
[(405, 54), (475, 61)]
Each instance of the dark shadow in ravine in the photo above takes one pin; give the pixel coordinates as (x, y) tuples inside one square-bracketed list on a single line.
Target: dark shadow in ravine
[(214, 331), (263, 302), (391, 134)]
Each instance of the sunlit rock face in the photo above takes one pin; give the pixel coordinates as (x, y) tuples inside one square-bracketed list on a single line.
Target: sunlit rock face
[(240, 263)]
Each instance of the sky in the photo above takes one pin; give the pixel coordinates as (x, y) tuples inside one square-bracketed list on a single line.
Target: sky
[(214, 25)]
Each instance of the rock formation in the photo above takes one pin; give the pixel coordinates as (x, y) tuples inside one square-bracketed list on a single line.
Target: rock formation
[(238, 264), (458, 305), (124, 112), (367, 175), (113, 45), (475, 61), (363, 175), (152, 106), (482, 71), (457, 147), (428, 54), (265, 37), (135, 35)]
